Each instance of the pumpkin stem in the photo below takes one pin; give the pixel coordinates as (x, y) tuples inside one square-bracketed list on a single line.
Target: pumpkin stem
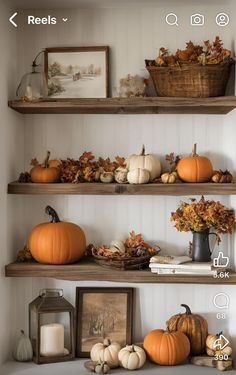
[(188, 311), (106, 342), (51, 212), (23, 332), (194, 151), (45, 163), (220, 333), (143, 151)]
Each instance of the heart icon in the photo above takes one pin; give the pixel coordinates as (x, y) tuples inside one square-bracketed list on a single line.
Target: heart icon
[(64, 19)]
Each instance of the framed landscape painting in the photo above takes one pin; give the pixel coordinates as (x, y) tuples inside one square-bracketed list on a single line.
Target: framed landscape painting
[(103, 313), (78, 72)]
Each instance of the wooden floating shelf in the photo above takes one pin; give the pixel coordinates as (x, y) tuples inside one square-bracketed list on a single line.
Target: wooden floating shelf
[(178, 189), (150, 105), (87, 270)]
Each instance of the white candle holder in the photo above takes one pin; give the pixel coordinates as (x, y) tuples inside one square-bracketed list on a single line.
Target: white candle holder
[(48, 337)]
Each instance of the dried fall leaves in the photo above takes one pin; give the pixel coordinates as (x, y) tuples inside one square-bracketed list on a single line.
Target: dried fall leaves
[(208, 54)]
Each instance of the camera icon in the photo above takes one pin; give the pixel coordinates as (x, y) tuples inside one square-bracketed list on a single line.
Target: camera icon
[(197, 20)]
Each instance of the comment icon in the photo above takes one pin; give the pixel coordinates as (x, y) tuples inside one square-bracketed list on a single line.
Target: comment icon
[(221, 301)]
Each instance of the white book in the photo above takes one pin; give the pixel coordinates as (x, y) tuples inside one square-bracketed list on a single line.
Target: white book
[(186, 266), (170, 259), (184, 272)]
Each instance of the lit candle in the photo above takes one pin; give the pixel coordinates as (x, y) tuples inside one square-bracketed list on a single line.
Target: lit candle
[(52, 340)]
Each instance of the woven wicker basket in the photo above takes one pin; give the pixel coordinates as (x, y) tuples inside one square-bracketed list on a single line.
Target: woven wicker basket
[(123, 263), (190, 80)]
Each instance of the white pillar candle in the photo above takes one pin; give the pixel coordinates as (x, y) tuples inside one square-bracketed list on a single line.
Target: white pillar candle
[(29, 92), (52, 340)]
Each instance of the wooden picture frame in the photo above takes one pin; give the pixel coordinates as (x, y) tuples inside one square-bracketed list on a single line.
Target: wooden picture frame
[(77, 72), (100, 313)]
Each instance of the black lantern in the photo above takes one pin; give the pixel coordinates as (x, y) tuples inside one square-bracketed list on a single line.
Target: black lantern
[(51, 327)]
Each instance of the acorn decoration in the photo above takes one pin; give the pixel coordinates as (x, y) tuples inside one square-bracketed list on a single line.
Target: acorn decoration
[(222, 177)]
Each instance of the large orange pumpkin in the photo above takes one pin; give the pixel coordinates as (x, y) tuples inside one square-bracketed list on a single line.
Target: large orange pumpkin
[(56, 242), (194, 326), (166, 348), (48, 172), (195, 168)]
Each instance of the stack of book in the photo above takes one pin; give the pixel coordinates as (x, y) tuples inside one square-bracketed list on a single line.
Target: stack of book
[(182, 265)]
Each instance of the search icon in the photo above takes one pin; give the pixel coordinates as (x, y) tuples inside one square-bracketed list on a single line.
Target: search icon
[(172, 19)]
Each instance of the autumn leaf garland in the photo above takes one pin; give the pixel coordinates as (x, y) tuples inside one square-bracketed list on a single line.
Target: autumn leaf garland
[(86, 167)]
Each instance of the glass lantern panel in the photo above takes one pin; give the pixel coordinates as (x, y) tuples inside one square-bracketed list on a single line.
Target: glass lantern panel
[(33, 328)]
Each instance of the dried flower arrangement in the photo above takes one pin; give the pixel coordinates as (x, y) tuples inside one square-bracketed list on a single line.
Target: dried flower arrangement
[(203, 214), (208, 54), (133, 246), (132, 86)]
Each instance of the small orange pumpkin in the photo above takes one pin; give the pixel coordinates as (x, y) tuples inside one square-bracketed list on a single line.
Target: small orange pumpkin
[(48, 172), (56, 242), (54, 163), (194, 326), (166, 348), (195, 168)]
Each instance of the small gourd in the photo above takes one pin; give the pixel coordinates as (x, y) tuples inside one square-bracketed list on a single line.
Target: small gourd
[(23, 351), (106, 352), (102, 368), (121, 175), (117, 246), (138, 176), (132, 357), (169, 177), (107, 177)]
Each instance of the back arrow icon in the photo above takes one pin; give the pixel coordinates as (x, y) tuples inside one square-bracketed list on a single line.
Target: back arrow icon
[(11, 19)]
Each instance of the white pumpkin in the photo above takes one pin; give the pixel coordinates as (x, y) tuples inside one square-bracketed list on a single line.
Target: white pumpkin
[(149, 162), (227, 350), (211, 340), (138, 176), (23, 351), (106, 352), (132, 357), (117, 246)]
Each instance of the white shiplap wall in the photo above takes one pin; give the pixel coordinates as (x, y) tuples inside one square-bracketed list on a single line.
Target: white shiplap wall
[(133, 33)]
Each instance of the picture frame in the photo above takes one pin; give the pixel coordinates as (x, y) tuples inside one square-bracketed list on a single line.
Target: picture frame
[(77, 72), (102, 313)]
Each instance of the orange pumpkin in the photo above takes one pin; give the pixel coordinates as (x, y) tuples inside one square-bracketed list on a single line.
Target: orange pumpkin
[(194, 326), (195, 168), (48, 172), (56, 242), (166, 348), (54, 163)]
